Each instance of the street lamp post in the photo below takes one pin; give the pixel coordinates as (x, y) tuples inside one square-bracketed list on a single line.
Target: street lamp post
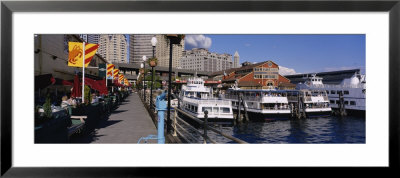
[(144, 78), (141, 67), (153, 43)]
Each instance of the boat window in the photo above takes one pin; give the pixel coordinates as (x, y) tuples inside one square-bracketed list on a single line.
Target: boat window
[(195, 109), (332, 101), (339, 91), (327, 91), (333, 92), (337, 102), (346, 102), (346, 92), (206, 109), (215, 109), (225, 110), (352, 103)]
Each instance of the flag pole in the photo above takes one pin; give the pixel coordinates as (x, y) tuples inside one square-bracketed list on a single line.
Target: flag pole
[(83, 73)]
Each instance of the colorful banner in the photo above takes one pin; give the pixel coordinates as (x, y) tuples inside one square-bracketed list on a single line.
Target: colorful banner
[(75, 53), (126, 82), (121, 79), (116, 72), (110, 68)]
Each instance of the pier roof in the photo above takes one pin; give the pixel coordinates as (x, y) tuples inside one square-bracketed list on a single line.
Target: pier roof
[(332, 77)]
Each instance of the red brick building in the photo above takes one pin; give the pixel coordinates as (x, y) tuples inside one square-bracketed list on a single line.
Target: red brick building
[(263, 75)]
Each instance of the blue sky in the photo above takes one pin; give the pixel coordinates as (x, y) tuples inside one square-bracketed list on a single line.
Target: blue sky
[(303, 53)]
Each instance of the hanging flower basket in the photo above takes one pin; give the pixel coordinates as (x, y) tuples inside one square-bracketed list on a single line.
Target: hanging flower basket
[(153, 62)]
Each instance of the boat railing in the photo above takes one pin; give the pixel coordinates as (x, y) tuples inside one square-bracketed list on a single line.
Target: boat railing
[(330, 86), (207, 101), (316, 106), (276, 108)]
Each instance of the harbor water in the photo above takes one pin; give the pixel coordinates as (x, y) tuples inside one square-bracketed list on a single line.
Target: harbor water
[(310, 130)]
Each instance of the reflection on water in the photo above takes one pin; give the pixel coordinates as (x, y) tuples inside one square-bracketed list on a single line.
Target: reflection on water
[(313, 130)]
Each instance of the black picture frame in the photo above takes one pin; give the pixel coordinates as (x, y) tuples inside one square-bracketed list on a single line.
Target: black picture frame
[(8, 7)]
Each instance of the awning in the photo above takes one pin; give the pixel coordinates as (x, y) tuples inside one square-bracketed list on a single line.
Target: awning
[(99, 85)]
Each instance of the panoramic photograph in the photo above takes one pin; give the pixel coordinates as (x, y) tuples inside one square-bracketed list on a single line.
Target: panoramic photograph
[(199, 88)]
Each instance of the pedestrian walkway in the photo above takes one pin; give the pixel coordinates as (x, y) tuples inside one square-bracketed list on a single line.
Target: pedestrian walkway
[(127, 124)]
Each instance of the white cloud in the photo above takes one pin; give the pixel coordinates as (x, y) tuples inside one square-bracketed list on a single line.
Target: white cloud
[(286, 71), (198, 41)]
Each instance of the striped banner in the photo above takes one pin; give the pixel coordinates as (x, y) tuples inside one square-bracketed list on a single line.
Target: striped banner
[(121, 79), (110, 68), (126, 82), (75, 53), (116, 72)]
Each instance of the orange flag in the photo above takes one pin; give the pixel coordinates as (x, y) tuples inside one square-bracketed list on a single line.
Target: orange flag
[(110, 68), (75, 56), (116, 72)]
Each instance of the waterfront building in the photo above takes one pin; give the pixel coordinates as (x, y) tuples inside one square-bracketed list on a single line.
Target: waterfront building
[(51, 57), (330, 78), (263, 75), (201, 59), (139, 46), (113, 48), (236, 59)]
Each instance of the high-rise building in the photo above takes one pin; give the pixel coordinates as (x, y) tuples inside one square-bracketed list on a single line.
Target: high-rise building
[(90, 38), (139, 46), (113, 48), (203, 60), (236, 59), (162, 52)]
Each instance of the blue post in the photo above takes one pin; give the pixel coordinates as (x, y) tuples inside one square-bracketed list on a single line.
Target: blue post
[(161, 106)]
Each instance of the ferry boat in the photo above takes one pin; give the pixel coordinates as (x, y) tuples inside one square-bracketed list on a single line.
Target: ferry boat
[(309, 103), (261, 104), (350, 94), (195, 98)]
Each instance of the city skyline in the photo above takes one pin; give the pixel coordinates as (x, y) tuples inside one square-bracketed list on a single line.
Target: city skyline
[(294, 53)]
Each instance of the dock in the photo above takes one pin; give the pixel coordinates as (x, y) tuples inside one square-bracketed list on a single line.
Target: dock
[(126, 124)]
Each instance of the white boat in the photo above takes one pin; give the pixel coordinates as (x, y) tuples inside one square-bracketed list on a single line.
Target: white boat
[(261, 104), (350, 93), (196, 98), (311, 103)]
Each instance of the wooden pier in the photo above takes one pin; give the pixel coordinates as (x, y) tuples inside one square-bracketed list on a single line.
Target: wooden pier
[(126, 124)]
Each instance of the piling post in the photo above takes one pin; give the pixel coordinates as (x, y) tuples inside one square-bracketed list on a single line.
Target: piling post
[(303, 108), (342, 110), (205, 126), (175, 115), (246, 117), (238, 116), (298, 107)]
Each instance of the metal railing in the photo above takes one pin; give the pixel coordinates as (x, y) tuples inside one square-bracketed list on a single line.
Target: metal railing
[(207, 101), (178, 124)]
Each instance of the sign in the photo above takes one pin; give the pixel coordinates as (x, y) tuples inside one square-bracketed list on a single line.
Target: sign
[(102, 70)]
